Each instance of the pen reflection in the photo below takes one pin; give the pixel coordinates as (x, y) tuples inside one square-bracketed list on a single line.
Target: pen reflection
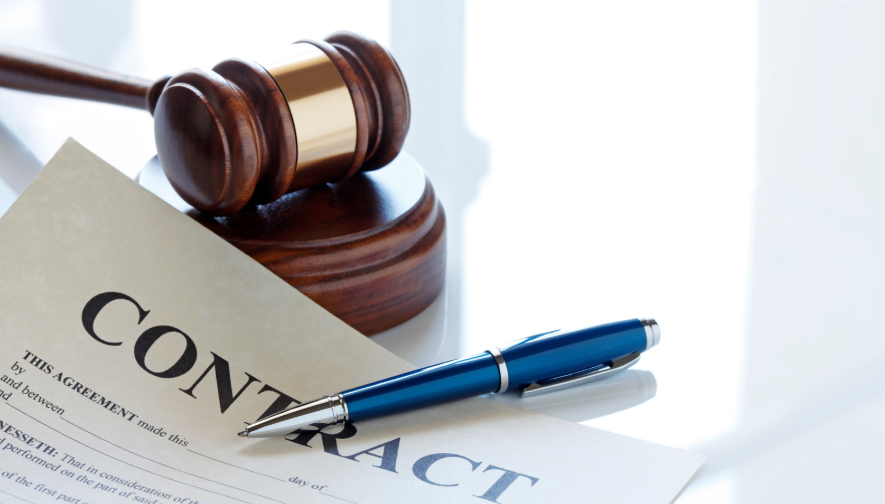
[(622, 391)]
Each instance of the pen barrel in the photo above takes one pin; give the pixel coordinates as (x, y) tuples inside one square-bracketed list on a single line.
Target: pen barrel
[(559, 353), (527, 360), (449, 381)]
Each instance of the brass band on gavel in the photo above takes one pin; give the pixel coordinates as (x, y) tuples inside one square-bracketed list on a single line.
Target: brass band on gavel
[(322, 111)]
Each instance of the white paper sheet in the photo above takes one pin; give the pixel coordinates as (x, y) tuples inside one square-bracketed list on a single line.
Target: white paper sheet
[(134, 344)]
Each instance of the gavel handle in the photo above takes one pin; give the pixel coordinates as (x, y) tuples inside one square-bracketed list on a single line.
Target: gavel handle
[(38, 73)]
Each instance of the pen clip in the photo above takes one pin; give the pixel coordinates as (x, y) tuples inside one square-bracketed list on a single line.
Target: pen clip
[(594, 373)]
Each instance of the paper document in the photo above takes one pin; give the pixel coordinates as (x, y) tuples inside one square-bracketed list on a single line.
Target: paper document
[(134, 344)]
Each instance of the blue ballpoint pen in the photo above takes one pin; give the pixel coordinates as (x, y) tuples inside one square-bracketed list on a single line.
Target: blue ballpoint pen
[(537, 364)]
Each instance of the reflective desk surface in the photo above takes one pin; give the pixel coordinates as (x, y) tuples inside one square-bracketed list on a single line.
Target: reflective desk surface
[(714, 165)]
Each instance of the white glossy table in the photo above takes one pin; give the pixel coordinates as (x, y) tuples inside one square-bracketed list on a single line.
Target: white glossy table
[(715, 165)]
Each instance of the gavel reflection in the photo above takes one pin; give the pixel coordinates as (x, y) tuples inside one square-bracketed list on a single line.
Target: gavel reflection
[(246, 131)]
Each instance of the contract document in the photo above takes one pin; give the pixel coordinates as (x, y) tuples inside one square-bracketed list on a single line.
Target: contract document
[(135, 344)]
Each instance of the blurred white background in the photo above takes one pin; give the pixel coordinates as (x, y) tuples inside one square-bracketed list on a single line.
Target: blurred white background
[(715, 165)]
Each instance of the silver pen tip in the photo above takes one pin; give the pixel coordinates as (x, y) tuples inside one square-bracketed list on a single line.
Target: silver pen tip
[(243, 433)]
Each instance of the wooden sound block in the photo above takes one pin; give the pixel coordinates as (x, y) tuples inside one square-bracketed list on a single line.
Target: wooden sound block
[(371, 249)]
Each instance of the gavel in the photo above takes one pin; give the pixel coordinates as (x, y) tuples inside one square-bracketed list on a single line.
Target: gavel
[(248, 132)]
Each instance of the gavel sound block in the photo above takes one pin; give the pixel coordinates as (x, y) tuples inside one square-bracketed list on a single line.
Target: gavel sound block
[(313, 120), (370, 249)]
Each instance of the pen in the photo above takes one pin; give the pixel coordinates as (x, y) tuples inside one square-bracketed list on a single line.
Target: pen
[(536, 364)]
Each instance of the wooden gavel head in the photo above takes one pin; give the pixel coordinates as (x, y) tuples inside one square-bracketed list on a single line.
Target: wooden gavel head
[(249, 132)]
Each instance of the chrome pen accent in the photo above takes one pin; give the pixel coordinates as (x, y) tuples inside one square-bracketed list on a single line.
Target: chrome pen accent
[(329, 409), (592, 400), (652, 332), (502, 369), (595, 373)]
